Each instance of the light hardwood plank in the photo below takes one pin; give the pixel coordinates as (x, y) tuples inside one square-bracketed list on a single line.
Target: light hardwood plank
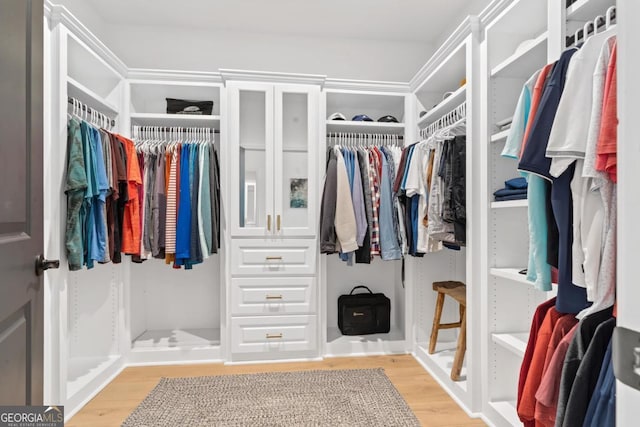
[(431, 404)]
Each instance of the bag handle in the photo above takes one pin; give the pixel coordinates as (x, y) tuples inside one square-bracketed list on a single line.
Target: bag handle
[(361, 286)]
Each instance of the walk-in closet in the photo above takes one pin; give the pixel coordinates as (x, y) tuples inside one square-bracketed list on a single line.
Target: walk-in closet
[(241, 213)]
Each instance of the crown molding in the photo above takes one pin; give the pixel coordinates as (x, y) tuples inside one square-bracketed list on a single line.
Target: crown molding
[(271, 77), (492, 11), (174, 75), (59, 14), (366, 85)]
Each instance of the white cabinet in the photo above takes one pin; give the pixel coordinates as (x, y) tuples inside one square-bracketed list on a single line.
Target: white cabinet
[(273, 144), (273, 149)]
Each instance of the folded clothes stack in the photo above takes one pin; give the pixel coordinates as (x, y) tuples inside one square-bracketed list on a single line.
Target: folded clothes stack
[(514, 189)]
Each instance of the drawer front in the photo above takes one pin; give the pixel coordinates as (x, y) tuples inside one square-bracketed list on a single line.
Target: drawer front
[(273, 257), (273, 334), (270, 295)]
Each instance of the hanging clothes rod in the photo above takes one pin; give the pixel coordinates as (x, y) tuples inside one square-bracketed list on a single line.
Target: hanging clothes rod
[(363, 135), (591, 27), (175, 129), (89, 110), (451, 118)]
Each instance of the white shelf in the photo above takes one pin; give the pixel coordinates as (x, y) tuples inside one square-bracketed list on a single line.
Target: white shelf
[(507, 410), (82, 371), (341, 345), (85, 95), (587, 10), (511, 274), (447, 104), (364, 127), (510, 204), (515, 343), (525, 62), (496, 137), (441, 362), (182, 120), (178, 338)]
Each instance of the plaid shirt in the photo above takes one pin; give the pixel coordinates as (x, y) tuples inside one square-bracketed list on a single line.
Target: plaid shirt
[(375, 197)]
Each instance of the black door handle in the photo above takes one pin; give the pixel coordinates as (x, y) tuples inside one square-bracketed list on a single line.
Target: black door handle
[(43, 264)]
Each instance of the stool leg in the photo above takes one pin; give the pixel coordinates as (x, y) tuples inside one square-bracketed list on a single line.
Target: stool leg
[(461, 348), (436, 323)]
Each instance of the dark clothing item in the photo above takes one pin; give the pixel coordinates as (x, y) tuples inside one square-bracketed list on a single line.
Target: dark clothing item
[(534, 157), (509, 192), (575, 354), (214, 191), (516, 184), (522, 196), (587, 375), (363, 254), (552, 229), (538, 317), (571, 298), (459, 188), (328, 207), (403, 162), (159, 206), (194, 183), (601, 411)]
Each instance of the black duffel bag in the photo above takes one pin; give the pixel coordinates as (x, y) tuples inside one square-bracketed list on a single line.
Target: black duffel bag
[(363, 314), (185, 106)]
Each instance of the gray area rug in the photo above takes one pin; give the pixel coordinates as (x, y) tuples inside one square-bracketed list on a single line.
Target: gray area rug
[(359, 397)]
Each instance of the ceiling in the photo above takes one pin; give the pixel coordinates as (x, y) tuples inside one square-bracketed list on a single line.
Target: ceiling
[(391, 20)]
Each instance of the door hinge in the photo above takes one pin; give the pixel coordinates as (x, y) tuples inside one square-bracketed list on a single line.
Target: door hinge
[(626, 356)]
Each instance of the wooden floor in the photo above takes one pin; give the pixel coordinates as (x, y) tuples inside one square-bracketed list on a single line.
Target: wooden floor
[(429, 402)]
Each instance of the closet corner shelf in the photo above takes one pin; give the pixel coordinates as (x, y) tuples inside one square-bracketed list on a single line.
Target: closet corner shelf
[(439, 364), (82, 371), (507, 410), (500, 136), (343, 345), (525, 62), (177, 338), (364, 127), (77, 90), (446, 105), (511, 274), (515, 343), (586, 10), (510, 204), (182, 120)]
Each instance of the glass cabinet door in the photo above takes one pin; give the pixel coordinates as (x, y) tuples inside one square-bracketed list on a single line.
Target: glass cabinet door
[(296, 157), (251, 142)]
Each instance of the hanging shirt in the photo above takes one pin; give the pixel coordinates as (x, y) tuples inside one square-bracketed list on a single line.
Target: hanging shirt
[(513, 145), (183, 228), (533, 158), (194, 183), (363, 254), (375, 204), (75, 187), (357, 197), (568, 138), (131, 233), (172, 207), (606, 160), (214, 177), (389, 248), (345, 221), (536, 97), (204, 204), (98, 247), (328, 207), (601, 410)]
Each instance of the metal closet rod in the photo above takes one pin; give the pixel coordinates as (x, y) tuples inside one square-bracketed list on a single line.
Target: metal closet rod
[(173, 129), (90, 110), (363, 135)]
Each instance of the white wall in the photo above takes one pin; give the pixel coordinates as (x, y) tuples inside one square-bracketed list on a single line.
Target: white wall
[(184, 48)]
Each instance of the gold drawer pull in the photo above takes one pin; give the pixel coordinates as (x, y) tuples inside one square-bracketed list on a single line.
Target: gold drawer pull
[(273, 297), (273, 336), (278, 222), (274, 258)]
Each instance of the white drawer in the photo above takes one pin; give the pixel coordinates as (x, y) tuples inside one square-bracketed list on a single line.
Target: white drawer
[(273, 334), (273, 295), (273, 257)]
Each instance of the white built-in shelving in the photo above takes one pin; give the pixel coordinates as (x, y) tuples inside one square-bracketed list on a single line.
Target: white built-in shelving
[(514, 342), (510, 204), (364, 127)]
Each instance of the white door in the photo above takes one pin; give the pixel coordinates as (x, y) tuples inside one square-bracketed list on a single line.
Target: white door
[(628, 292), (295, 159), (251, 148)]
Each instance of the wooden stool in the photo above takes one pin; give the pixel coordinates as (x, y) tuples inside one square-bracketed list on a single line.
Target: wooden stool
[(457, 291)]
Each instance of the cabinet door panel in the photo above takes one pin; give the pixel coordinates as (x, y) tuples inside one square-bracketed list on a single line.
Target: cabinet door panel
[(269, 335), (251, 145), (296, 148)]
